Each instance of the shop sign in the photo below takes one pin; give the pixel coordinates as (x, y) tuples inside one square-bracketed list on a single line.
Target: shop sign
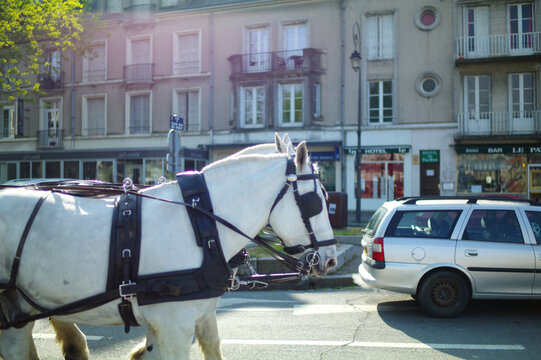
[(379, 150), (430, 156), (499, 149), (325, 155)]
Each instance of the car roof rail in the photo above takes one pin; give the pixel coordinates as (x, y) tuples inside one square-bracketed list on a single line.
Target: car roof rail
[(471, 199)]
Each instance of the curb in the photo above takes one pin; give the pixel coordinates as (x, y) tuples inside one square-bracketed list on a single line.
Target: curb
[(345, 254)]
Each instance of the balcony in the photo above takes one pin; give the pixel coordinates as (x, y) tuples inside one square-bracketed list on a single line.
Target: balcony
[(139, 128), (277, 62), (139, 15), (50, 139), (138, 73), (498, 46), (503, 123), (51, 81), (94, 75)]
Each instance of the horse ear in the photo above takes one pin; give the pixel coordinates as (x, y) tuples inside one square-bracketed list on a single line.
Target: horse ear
[(280, 147), (302, 155), (290, 150), (286, 140)]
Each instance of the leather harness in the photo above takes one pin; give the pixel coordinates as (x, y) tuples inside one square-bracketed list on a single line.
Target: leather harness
[(210, 280)]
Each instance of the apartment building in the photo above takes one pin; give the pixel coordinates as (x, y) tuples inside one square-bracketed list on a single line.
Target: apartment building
[(437, 85), (497, 61)]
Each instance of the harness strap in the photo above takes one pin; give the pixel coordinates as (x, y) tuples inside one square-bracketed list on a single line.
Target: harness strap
[(303, 201), (195, 192), (124, 252), (17, 259)]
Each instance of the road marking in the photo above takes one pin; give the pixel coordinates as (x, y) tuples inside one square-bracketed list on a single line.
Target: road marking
[(316, 309), (374, 344), (254, 309), (365, 344), (230, 301), (247, 305), (52, 336)]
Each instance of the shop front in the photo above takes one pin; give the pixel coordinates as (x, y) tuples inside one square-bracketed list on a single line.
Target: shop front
[(508, 169), (142, 166), (382, 174), (325, 155)]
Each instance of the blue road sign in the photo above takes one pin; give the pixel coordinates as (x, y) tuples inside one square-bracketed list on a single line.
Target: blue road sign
[(176, 123)]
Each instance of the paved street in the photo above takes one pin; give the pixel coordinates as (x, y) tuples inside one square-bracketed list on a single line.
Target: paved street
[(352, 323)]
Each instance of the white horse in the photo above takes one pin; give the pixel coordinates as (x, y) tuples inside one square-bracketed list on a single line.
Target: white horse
[(73, 234)]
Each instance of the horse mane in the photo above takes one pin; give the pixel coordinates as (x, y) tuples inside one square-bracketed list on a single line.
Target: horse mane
[(267, 148), (249, 157)]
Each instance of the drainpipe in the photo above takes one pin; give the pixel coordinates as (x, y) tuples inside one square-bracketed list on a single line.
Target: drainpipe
[(342, 94), (72, 100), (211, 80)]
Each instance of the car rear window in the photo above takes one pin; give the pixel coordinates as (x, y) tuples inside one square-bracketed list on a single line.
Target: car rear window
[(374, 221), (426, 224)]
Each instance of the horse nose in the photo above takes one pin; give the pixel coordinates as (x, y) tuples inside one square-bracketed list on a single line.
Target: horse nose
[(330, 264)]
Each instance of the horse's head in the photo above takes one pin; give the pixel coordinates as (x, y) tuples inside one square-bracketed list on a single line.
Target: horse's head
[(299, 215)]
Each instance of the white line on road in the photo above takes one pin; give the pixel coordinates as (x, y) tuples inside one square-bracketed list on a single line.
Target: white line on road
[(254, 309), (373, 344), (246, 305), (315, 309), (365, 344), (52, 336)]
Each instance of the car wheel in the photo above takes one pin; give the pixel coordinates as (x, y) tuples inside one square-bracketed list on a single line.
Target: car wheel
[(444, 294)]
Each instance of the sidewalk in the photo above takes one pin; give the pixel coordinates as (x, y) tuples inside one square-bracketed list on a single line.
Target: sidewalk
[(349, 259)]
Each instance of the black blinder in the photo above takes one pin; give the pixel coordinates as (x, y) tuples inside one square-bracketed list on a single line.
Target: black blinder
[(310, 204)]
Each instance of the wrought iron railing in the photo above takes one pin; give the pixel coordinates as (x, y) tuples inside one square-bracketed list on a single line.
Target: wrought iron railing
[(94, 75), (140, 14), (50, 139), (53, 80), (486, 46), (93, 131), (138, 73), (186, 67), (139, 129), (499, 123), (300, 59)]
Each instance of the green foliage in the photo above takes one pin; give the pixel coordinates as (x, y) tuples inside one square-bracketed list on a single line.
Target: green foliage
[(28, 29), (348, 231)]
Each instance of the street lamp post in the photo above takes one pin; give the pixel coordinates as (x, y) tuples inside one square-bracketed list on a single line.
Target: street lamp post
[(356, 65)]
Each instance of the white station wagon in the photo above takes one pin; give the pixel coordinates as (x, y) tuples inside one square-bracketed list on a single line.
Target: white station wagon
[(446, 250)]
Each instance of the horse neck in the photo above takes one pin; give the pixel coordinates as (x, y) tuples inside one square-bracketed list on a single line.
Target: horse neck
[(242, 192)]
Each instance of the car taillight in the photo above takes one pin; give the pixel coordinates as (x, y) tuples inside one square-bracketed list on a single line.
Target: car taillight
[(377, 250)]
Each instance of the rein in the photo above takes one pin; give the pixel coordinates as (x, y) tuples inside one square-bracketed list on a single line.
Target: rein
[(289, 261)]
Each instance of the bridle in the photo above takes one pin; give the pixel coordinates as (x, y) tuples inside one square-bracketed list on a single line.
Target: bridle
[(309, 205)]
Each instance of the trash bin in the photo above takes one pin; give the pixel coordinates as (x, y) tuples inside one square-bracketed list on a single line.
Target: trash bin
[(338, 209)]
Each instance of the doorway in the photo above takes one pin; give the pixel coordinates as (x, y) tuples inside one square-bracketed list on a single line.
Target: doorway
[(430, 173), (534, 182)]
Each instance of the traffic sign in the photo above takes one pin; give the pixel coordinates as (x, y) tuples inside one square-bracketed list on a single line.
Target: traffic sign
[(176, 123), (173, 139)]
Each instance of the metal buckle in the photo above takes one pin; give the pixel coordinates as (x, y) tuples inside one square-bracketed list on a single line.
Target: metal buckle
[(195, 201), (313, 258), (127, 185), (124, 292), (126, 212), (126, 253)]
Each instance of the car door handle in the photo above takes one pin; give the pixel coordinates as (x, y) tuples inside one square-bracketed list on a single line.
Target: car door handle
[(470, 252)]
